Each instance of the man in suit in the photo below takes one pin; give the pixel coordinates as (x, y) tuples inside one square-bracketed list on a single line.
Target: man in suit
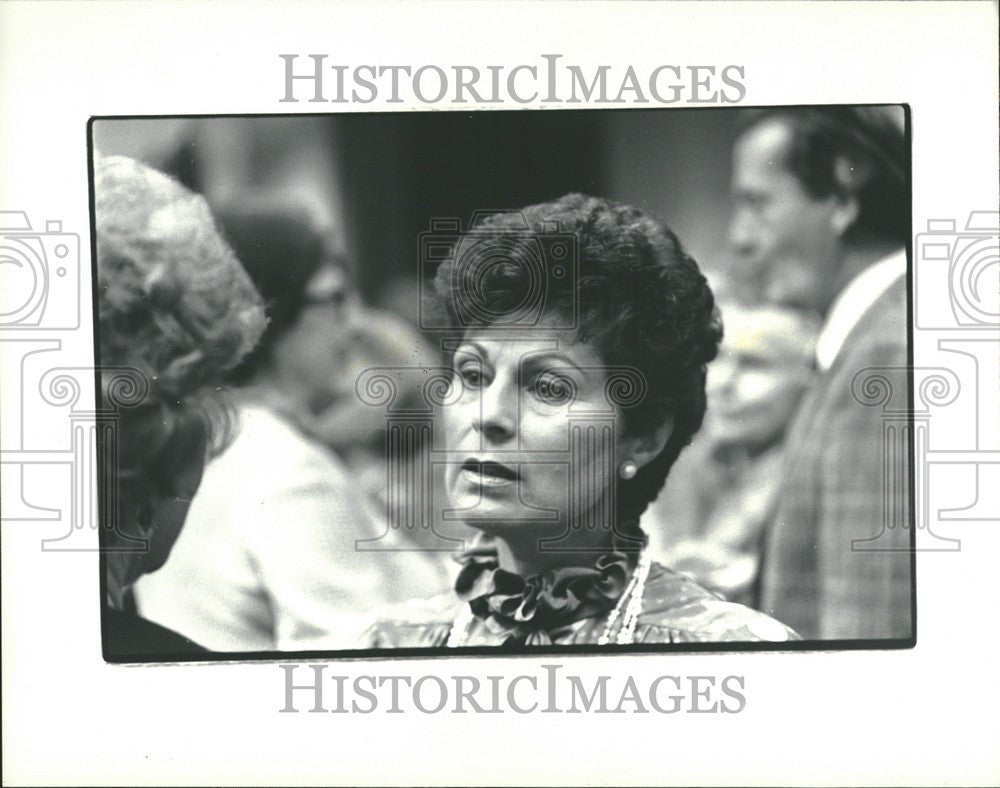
[(821, 220)]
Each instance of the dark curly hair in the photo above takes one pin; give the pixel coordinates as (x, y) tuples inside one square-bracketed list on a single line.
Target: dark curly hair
[(638, 298)]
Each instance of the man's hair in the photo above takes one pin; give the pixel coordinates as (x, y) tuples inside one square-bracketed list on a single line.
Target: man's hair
[(858, 152)]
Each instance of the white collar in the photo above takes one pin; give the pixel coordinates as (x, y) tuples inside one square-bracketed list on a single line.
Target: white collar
[(853, 301)]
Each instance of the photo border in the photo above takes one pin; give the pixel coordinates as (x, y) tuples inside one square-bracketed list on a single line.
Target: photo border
[(350, 655)]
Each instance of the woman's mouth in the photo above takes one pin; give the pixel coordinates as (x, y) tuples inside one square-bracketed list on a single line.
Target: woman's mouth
[(488, 473)]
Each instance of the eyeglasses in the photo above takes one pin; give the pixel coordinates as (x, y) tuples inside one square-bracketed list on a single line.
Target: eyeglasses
[(329, 285)]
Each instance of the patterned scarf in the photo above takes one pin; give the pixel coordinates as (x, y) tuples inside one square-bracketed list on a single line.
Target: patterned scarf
[(526, 610)]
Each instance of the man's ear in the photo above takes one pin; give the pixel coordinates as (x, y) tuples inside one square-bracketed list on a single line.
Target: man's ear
[(845, 214), (643, 449), (846, 208)]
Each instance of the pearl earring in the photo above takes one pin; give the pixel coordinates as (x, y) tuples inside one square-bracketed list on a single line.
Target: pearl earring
[(628, 470)]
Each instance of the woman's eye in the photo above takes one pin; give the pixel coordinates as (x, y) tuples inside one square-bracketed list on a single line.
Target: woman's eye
[(553, 389), (471, 375)]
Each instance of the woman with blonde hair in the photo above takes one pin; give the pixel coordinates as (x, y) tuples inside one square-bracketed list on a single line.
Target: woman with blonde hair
[(282, 550), (176, 312)]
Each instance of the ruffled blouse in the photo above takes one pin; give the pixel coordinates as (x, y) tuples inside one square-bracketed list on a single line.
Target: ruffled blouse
[(565, 606), (525, 610)]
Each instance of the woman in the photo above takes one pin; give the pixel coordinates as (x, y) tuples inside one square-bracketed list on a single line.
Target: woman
[(709, 521), (579, 375), (268, 559), (176, 312)]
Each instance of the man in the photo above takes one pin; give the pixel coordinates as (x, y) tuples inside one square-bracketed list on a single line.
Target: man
[(821, 221), (720, 497)]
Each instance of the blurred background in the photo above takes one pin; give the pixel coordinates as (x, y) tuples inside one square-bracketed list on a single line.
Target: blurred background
[(378, 179), (370, 184)]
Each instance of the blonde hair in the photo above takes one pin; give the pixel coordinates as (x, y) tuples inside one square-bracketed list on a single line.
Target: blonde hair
[(174, 303)]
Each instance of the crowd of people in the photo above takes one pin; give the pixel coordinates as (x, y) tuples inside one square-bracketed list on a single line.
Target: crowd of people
[(643, 461)]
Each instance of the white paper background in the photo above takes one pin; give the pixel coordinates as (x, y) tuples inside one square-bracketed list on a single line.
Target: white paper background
[(921, 716)]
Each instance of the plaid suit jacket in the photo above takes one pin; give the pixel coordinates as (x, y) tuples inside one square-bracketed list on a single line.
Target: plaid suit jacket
[(837, 555)]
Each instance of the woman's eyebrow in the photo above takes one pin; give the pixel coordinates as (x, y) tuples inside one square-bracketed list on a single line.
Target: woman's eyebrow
[(540, 359), (470, 349)]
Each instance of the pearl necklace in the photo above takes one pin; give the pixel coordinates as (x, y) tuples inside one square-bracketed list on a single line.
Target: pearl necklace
[(629, 605), (461, 627)]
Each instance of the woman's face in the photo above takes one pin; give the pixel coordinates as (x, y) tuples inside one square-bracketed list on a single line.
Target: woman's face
[(533, 440), (754, 386), (315, 351)]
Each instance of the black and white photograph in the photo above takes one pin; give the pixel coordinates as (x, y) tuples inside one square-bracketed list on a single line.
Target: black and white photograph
[(510, 380), (536, 392)]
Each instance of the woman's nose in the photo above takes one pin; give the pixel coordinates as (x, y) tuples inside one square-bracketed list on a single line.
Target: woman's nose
[(497, 416), (722, 378), (742, 233)]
